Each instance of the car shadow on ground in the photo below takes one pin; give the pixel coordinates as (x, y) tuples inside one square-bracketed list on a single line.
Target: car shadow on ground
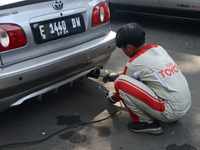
[(34, 120)]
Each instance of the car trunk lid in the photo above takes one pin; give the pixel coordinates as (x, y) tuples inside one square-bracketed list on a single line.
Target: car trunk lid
[(40, 15)]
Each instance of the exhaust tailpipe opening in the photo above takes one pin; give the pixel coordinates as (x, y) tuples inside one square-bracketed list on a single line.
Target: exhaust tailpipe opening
[(94, 73)]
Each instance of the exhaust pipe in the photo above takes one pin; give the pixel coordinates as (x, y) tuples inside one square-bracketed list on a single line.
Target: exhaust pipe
[(94, 73)]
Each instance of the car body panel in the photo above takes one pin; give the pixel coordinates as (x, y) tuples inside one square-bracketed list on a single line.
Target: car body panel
[(154, 3), (50, 69), (176, 8), (193, 5)]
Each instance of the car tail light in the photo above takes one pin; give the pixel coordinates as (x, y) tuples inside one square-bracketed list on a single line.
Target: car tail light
[(11, 36), (101, 14)]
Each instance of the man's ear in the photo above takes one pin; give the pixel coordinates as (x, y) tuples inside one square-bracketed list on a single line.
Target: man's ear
[(130, 47)]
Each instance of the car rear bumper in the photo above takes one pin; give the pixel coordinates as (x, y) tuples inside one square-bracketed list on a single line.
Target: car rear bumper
[(36, 76)]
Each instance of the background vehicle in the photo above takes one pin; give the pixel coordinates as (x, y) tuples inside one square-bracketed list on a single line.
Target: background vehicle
[(45, 44), (178, 8)]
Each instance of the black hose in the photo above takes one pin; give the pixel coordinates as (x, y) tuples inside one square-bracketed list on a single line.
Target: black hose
[(44, 139)]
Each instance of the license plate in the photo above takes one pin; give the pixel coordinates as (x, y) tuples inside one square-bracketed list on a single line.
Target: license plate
[(57, 28)]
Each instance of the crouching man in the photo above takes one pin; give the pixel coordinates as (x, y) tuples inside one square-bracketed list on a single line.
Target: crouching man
[(151, 87)]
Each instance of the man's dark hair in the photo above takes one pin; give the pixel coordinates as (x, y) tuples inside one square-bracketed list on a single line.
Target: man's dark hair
[(131, 33)]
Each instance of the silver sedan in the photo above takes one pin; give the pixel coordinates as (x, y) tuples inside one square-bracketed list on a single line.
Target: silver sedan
[(45, 44)]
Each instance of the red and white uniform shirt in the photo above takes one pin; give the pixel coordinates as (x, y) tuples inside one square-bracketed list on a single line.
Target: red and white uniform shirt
[(153, 87)]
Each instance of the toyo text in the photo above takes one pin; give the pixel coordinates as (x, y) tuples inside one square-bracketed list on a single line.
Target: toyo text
[(170, 71)]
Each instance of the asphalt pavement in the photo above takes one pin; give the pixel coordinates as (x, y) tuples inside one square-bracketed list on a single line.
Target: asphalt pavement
[(84, 101)]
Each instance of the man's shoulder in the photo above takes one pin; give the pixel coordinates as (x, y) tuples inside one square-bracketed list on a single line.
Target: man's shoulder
[(148, 52), (152, 57)]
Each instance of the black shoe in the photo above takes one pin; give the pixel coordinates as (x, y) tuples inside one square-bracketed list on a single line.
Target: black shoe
[(144, 127)]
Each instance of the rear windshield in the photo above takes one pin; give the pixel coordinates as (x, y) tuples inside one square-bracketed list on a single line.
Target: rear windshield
[(6, 4)]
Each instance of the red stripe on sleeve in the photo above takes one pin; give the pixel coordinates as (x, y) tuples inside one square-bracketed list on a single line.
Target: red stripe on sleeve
[(125, 69)]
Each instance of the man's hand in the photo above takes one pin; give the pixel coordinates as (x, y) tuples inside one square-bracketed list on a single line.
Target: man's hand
[(111, 77), (109, 98)]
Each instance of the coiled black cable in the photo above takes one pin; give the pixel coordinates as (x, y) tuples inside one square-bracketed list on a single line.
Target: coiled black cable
[(44, 139)]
